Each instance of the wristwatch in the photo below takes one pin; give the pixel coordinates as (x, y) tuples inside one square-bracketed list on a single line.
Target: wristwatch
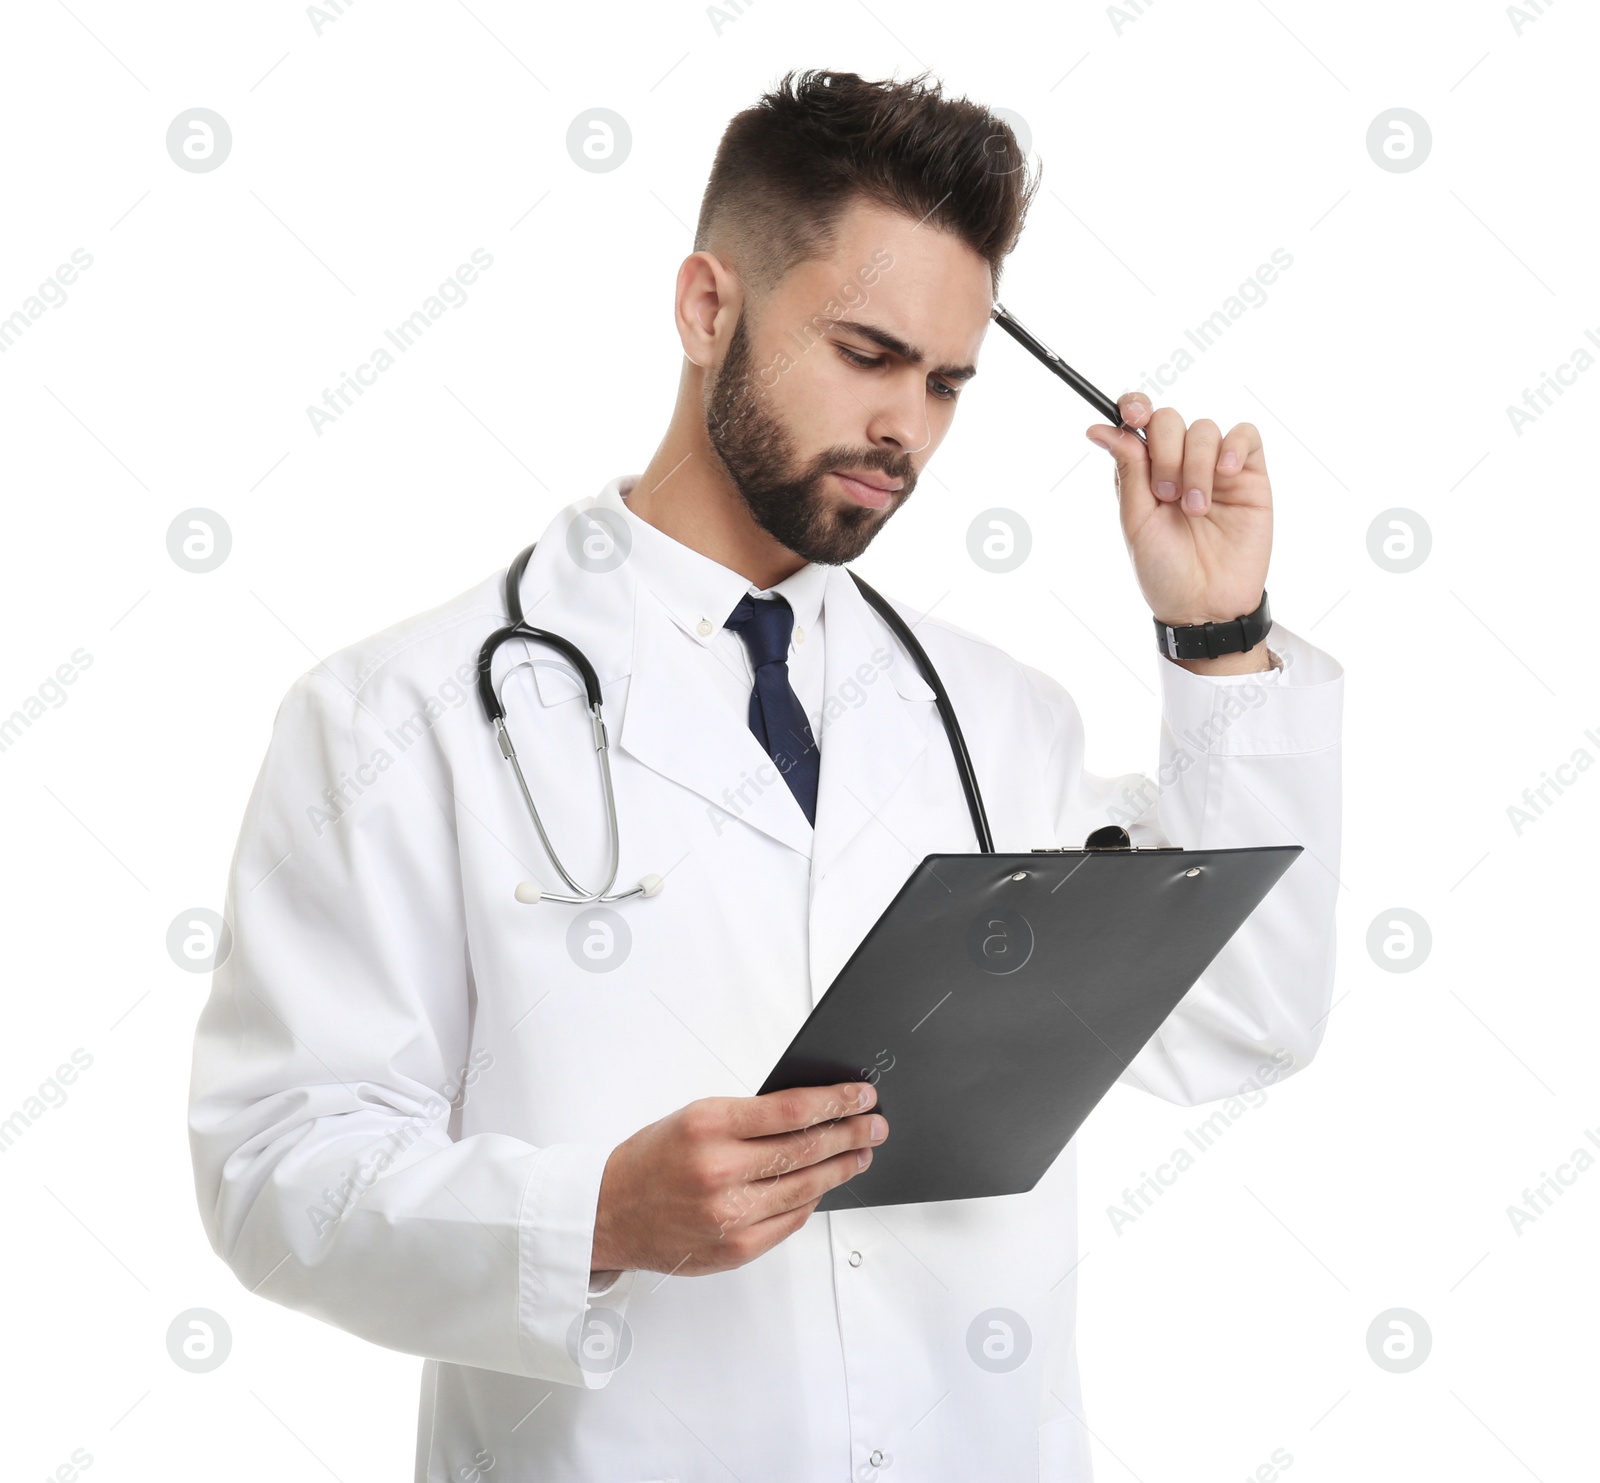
[(1208, 640)]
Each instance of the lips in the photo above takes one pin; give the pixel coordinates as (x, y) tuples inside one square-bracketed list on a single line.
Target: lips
[(868, 488)]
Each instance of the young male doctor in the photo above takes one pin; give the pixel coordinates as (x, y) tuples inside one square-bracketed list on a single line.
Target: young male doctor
[(519, 1138)]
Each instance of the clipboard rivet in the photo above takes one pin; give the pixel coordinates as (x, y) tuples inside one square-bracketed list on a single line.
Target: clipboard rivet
[(1192, 870), (1021, 875)]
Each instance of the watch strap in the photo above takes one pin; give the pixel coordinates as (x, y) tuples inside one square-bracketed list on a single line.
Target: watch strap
[(1208, 640)]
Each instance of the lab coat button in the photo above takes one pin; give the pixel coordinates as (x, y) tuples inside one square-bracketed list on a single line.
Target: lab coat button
[(799, 635), (855, 1261), (876, 1459), (703, 628)]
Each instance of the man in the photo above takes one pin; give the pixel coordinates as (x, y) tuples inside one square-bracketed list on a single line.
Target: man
[(518, 1137)]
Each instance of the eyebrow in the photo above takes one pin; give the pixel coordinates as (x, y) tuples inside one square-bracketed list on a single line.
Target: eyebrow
[(911, 353)]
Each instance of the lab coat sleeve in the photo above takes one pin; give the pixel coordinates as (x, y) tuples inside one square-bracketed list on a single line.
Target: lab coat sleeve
[(327, 1058), (1249, 759)]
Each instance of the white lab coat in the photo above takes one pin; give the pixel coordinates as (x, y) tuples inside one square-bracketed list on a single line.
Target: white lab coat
[(381, 969)]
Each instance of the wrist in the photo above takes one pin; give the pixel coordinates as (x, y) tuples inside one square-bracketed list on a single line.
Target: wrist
[(1250, 662), (1199, 643), (604, 1255)]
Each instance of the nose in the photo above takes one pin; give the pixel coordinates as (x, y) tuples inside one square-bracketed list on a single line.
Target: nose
[(898, 417)]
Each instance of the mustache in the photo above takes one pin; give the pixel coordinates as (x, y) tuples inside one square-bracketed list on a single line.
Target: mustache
[(895, 466)]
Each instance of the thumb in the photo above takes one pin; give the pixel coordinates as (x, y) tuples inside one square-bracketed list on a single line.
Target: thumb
[(1132, 458)]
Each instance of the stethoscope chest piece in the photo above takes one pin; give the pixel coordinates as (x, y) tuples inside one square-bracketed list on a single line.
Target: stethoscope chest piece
[(529, 892)]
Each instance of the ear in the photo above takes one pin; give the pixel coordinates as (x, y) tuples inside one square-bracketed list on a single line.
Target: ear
[(709, 300)]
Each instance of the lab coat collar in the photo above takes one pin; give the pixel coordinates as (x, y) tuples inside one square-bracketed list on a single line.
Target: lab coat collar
[(876, 706), (591, 607), (631, 632), (672, 687), (875, 717)]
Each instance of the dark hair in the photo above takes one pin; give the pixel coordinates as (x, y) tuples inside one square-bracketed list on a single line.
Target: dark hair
[(788, 167)]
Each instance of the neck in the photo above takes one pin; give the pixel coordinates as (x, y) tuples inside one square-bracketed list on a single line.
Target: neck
[(685, 492)]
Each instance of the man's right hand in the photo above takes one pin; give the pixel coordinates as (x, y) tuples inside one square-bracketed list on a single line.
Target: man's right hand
[(714, 1184)]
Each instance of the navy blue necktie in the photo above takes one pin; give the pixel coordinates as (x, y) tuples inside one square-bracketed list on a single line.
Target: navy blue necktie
[(776, 716)]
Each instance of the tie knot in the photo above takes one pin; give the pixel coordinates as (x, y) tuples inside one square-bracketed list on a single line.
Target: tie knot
[(764, 623)]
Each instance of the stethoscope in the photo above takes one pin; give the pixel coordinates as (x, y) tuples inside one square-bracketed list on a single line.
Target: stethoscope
[(530, 891)]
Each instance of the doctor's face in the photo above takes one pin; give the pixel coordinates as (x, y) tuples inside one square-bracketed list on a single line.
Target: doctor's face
[(837, 387)]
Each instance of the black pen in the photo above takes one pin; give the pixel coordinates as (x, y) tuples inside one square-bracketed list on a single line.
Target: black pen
[(1086, 389)]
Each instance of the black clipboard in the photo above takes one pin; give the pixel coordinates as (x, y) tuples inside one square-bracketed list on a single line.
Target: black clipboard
[(998, 998)]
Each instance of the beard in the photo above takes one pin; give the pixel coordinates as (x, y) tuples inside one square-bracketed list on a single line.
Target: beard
[(788, 500)]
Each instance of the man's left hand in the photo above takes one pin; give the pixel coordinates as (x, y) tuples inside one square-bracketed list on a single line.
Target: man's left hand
[(1196, 511)]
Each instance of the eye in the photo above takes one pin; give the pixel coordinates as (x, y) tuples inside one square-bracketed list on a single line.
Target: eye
[(942, 390)]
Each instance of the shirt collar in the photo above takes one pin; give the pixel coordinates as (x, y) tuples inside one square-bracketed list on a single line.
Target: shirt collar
[(698, 592)]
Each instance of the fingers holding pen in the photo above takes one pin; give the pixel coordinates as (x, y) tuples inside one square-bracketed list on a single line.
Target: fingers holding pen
[(1200, 448), (1120, 439), (1126, 448), (1182, 463), (1165, 432), (1134, 408)]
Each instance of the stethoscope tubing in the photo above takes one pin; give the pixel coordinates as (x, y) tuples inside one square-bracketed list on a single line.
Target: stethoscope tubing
[(947, 712), (494, 712)]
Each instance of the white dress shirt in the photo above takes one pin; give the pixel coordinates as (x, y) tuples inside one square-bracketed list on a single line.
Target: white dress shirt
[(700, 594)]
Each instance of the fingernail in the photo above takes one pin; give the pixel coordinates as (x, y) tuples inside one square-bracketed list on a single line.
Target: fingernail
[(863, 1157), (1228, 462), (1193, 501), (878, 1130), (866, 1095), (1166, 489)]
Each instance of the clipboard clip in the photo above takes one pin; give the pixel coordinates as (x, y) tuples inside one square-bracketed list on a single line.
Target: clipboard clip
[(1108, 837)]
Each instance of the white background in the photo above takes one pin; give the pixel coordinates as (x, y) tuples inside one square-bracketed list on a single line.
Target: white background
[(1180, 147)]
